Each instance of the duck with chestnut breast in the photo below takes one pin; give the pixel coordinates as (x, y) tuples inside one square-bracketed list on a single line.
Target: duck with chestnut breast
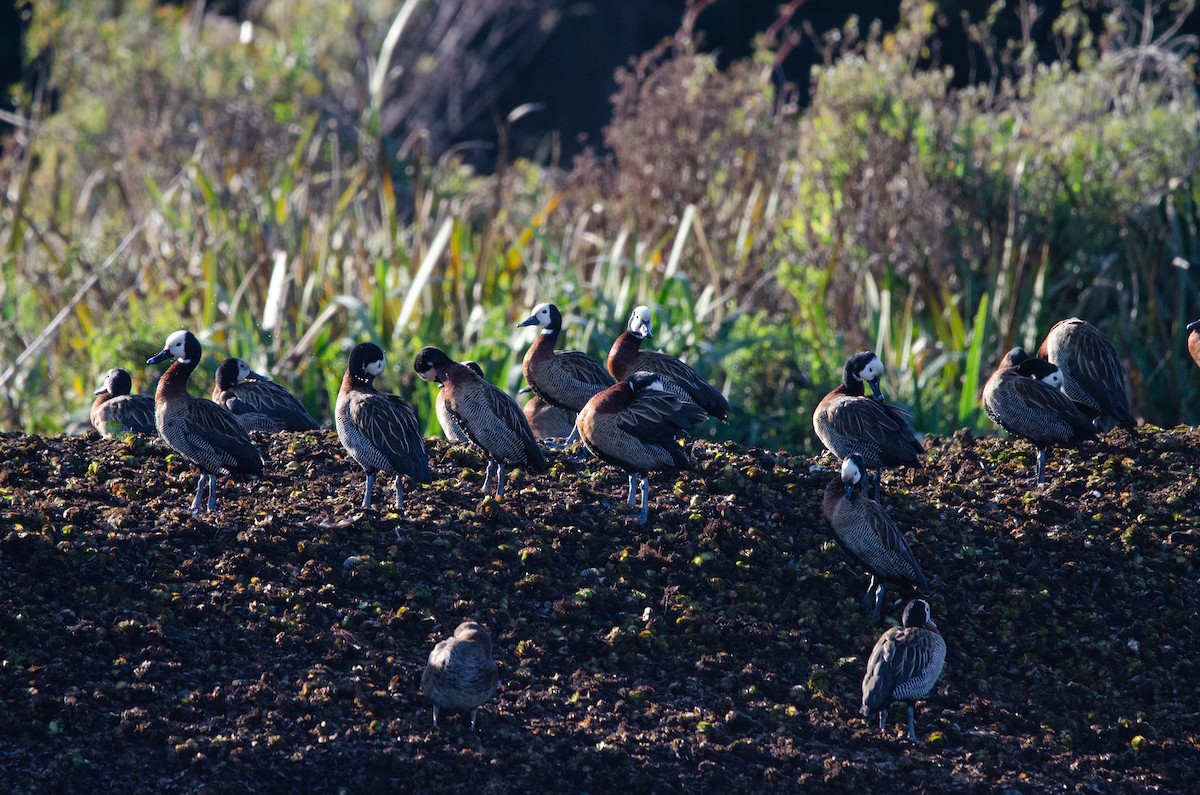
[(545, 420), (1193, 341), (627, 357), (259, 403), (451, 428), (461, 671), (1021, 398), (379, 430), (868, 535), (489, 417), (565, 379), (904, 666), (635, 424), (116, 412), (848, 422), (196, 428), (1092, 375)]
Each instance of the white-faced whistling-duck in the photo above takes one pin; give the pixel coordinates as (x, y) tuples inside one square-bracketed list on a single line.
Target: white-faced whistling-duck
[(564, 379), (489, 417), (904, 665), (634, 425), (259, 403), (1021, 399), (848, 422), (868, 535), (461, 672), (380, 431), (627, 357), (196, 428), (116, 412), (1091, 370)]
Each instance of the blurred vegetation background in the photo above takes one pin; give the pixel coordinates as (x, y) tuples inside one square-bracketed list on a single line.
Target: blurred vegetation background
[(254, 181)]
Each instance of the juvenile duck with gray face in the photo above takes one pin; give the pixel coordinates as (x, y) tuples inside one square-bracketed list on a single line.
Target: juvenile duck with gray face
[(868, 535), (627, 357), (461, 671), (259, 403), (489, 418), (198, 429), (565, 379), (635, 425), (1021, 398), (904, 665), (380, 431), (451, 428), (848, 422), (116, 412), (1092, 375)]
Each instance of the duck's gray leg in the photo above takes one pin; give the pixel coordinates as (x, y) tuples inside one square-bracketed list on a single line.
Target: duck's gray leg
[(399, 494), (212, 491), (369, 490), (645, 499), (499, 479), (199, 493), (912, 733), (487, 477), (633, 489)]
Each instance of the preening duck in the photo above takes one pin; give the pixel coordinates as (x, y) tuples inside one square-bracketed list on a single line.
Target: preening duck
[(868, 535), (461, 671), (847, 422), (904, 665), (564, 379), (488, 417), (115, 411), (635, 425), (1021, 398), (380, 431), (196, 428), (453, 432), (1091, 370), (626, 357), (259, 403)]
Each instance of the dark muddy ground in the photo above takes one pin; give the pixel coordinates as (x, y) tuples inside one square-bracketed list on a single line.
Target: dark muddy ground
[(279, 645)]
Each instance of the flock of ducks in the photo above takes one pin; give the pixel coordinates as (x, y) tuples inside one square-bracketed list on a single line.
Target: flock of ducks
[(630, 414)]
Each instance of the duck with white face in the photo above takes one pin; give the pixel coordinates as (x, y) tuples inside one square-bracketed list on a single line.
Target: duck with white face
[(627, 357), (566, 380), (848, 422), (196, 428), (380, 431)]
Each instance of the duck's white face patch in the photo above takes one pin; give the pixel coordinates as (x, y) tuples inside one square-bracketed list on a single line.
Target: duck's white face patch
[(542, 313), (373, 368), (177, 345), (850, 471), (243, 370), (641, 322), (871, 370), (1054, 379)]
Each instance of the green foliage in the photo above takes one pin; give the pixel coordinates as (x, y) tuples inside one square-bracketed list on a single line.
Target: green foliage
[(233, 186)]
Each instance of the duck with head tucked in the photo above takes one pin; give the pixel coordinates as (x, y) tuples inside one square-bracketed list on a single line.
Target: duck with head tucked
[(116, 412), (196, 428), (565, 379), (904, 665), (868, 535), (1092, 375), (489, 418), (461, 671), (635, 425), (627, 357), (259, 403), (1023, 399), (380, 431), (848, 422)]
